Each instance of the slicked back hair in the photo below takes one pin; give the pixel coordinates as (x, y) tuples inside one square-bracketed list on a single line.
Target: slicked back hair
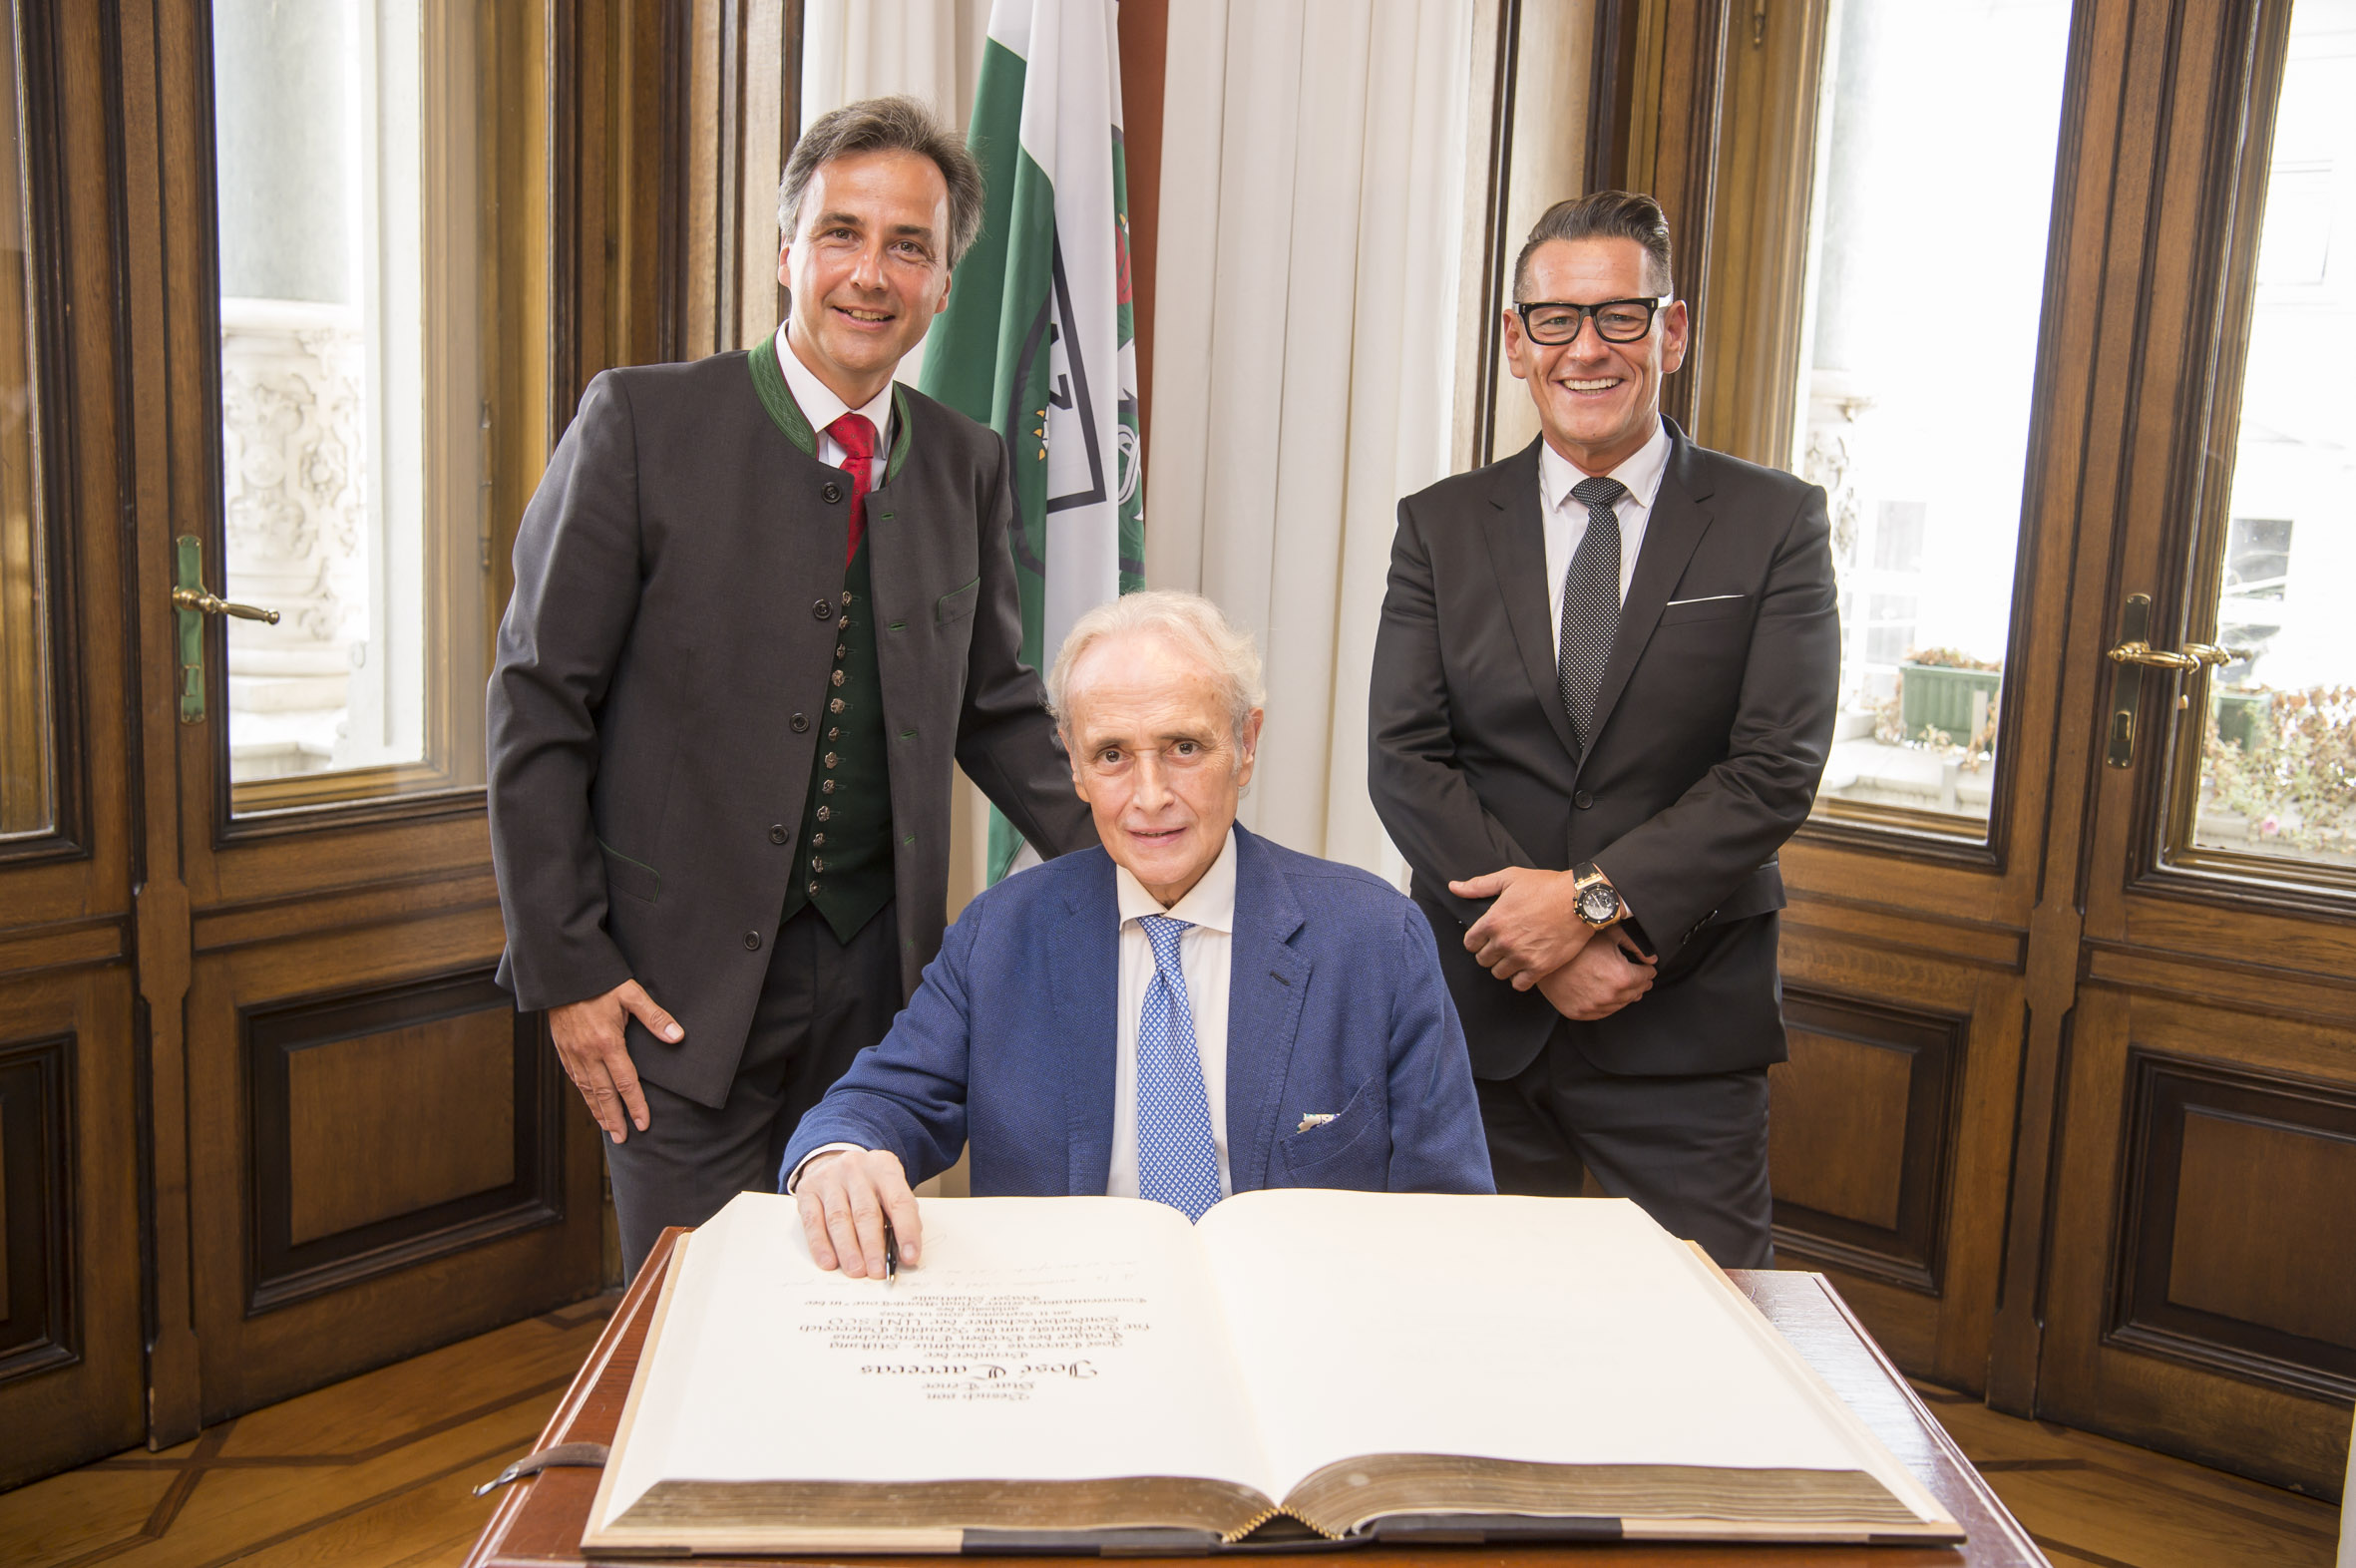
[(1606, 214), (878, 125), (1188, 620)]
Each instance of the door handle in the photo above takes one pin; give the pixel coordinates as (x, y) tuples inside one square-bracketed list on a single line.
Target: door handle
[(190, 603), (2194, 656), (2133, 654), (211, 604)]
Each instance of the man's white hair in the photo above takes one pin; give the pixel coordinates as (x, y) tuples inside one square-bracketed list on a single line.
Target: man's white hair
[(1188, 620)]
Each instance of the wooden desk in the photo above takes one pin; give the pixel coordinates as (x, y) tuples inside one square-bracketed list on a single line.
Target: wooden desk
[(539, 1522)]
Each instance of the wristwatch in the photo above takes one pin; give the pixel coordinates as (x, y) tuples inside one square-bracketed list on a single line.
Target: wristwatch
[(1598, 901)]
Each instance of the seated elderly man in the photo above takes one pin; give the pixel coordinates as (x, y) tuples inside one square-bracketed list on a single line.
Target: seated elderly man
[(1187, 1012)]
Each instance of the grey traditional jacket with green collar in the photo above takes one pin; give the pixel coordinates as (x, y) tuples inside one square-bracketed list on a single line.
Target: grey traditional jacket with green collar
[(661, 684)]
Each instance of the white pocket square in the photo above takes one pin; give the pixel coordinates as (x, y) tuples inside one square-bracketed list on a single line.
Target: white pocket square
[(1707, 599)]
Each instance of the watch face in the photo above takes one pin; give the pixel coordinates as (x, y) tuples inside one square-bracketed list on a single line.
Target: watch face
[(1598, 904)]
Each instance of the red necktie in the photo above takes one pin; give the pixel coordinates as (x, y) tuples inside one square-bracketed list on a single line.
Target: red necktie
[(857, 437)]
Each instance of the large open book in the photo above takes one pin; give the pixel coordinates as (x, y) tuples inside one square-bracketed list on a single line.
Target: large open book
[(1073, 1372)]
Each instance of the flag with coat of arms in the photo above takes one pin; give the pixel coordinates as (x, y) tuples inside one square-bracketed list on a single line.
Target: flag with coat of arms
[(1037, 341)]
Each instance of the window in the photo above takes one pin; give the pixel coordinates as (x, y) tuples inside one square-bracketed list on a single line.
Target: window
[(28, 739), (1926, 253), (352, 398), (2276, 780)]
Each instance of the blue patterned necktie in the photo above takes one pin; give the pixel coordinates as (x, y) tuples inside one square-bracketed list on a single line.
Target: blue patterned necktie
[(1590, 603), (1177, 1163)]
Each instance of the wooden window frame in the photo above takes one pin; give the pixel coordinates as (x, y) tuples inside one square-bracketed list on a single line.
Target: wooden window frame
[(2168, 863), (579, 180)]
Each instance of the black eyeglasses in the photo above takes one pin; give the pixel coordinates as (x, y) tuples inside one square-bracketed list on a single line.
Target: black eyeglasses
[(1555, 322)]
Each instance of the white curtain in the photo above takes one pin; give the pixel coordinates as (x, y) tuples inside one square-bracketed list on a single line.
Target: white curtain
[(854, 49), (1312, 166), (929, 48)]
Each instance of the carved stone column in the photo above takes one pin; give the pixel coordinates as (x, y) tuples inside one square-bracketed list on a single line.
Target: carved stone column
[(292, 468)]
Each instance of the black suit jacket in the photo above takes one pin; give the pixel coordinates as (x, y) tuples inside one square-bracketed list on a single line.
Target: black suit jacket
[(647, 773), (1712, 722)]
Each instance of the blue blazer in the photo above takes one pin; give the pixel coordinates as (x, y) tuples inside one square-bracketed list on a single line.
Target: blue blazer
[(1336, 1003)]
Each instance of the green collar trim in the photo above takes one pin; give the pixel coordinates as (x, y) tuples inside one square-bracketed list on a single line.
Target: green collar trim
[(769, 386)]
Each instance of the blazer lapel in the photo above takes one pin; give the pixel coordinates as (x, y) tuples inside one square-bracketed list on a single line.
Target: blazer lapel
[(1678, 522), (1085, 980), (1517, 552), (1265, 982)]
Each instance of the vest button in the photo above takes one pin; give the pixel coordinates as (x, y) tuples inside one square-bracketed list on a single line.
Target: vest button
[(824, 610), (1582, 800), (830, 491), (752, 941), (778, 835), (800, 722)]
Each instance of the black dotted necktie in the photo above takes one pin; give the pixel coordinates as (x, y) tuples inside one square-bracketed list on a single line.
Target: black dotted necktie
[(1590, 602)]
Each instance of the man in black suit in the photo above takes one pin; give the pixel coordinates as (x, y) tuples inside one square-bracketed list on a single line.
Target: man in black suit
[(761, 602), (1603, 693)]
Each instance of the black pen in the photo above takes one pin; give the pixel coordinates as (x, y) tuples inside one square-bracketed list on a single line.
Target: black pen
[(891, 1253)]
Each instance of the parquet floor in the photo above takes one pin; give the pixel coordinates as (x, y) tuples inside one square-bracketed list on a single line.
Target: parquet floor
[(2090, 1501), (378, 1473), (374, 1472)]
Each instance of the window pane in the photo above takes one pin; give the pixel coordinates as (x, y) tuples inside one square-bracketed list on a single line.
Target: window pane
[(2278, 766), (350, 397), (28, 762), (1926, 279)]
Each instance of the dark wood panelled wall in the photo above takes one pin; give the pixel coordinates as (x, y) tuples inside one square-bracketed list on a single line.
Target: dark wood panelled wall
[(2071, 1112)]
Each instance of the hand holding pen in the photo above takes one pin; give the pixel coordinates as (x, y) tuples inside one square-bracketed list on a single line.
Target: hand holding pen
[(859, 1213)]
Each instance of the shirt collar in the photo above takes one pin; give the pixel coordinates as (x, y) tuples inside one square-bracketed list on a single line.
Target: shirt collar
[(1641, 473), (820, 405), (1210, 903)]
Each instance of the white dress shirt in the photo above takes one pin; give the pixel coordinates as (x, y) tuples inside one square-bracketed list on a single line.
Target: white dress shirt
[(1205, 955), (1566, 516), (822, 408)]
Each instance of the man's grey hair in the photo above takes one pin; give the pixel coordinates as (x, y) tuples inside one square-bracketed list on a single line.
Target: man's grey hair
[(1603, 215), (1188, 620), (878, 125)]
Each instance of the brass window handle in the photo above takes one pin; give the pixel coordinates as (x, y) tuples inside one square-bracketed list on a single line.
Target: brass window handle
[(2194, 656), (190, 603), (2133, 654), (213, 605)]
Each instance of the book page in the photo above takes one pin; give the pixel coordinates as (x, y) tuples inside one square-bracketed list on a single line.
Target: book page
[(1551, 1331), (1059, 1338)]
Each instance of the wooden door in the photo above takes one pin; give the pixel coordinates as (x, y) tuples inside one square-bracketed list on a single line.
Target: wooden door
[(337, 267), (2199, 1097), (2054, 297), (72, 1141)]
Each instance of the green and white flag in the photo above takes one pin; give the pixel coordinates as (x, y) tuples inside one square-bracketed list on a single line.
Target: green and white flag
[(1039, 338)]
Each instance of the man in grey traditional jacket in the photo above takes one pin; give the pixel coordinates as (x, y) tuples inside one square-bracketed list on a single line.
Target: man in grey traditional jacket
[(761, 602)]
